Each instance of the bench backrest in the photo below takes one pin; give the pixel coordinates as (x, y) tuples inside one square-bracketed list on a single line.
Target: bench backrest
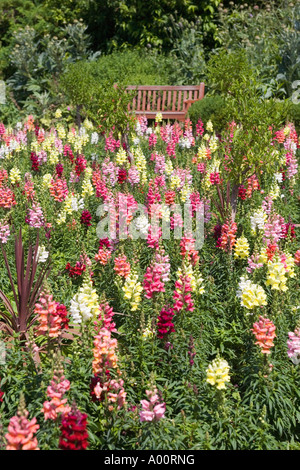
[(164, 98)]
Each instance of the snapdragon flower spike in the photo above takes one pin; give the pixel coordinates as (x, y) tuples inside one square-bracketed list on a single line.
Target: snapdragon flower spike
[(7, 197), (105, 318), (152, 140), (187, 250), (77, 270), (297, 258), (111, 144), (162, 261), (122, 266), (217, 373), (57, 405), (68, 153), (21, 432), (80, 165), (293, 344), (59, 169), (58, 189), (242, 193), (104, 352), (35, 216), (103, 256), (152, 409), (122, 175), (4, 232), (200, 128), (264, 332), (170, 197), (228, 236), (133, 175), (29, 188), (182, 295), (62, 312), (99, 386), (86, 218), (99, 184), (288, 230), (165, 325), (153, 281), (74, 435), (49, 321), (191, 350), (241, 248), (35, 166)]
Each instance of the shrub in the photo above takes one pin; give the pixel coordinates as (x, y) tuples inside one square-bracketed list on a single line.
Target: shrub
[(294, 115), (210, 108)]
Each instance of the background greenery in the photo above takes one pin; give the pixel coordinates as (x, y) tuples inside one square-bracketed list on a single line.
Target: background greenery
[(47, 46)]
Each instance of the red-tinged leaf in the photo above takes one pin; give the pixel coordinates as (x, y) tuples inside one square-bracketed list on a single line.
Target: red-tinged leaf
[(7, 328)]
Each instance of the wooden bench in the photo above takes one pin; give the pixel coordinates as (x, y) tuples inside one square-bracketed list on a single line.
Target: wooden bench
[(172, 102)]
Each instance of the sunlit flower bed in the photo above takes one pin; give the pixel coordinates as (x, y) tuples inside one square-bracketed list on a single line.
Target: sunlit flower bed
[(145, 303)]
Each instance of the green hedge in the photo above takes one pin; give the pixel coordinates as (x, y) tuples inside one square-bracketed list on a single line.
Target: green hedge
[(209, 108), (294, 115)]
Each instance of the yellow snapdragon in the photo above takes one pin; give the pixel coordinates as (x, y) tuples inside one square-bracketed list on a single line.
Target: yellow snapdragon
[(217, 373), (196, 281), (132, 291), (121, 157), (276, 276), (47, 180), (251, 295), (15, 175), (209, 126), (58, 113), (168, 167), (241, 248)]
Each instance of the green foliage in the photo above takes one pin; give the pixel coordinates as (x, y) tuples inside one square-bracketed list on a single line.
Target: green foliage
[(90, 85), (269, 35), (294, 115), (210, 108), (119, 24), (37, 64), (231, 75)]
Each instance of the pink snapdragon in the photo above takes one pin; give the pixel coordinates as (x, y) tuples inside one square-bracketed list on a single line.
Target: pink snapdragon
[(4, 232), (294, 346), (111, 144), (153, 281), (55, 391), (21, 432), (105, 318), (182, 295), (152, 409), (133, 175), (35, 216)]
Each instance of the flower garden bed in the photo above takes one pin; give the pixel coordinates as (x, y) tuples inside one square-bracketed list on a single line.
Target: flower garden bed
[(150, 302)]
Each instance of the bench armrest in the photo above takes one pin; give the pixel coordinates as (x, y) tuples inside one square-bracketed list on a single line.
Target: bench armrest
[(188, 103)]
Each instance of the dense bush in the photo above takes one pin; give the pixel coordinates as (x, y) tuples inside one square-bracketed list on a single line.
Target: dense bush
[(210, 108), (294, 115), (269, 35)]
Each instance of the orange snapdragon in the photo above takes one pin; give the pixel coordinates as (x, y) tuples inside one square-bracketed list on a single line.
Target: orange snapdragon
[(264, 331)]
